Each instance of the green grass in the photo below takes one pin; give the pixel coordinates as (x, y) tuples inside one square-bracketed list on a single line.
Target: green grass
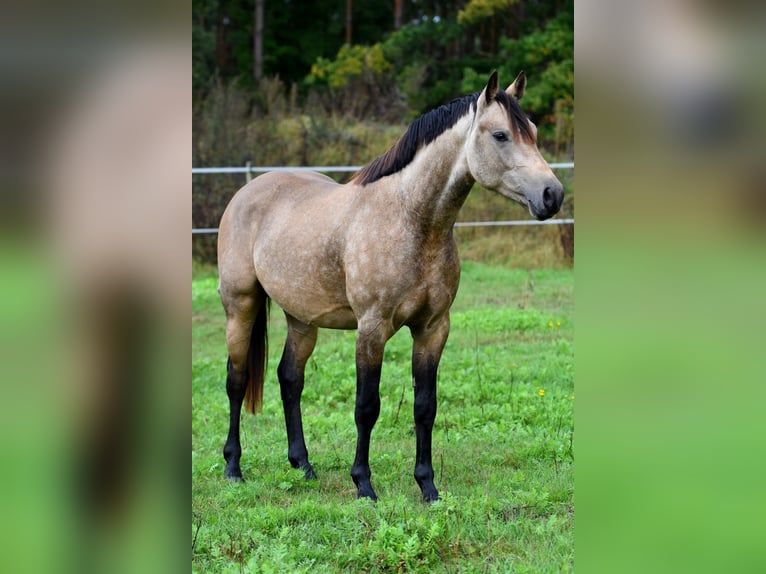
[(502, 452)]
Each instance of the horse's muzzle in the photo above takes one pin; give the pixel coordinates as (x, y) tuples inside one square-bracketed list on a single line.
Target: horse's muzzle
[(549, 202)]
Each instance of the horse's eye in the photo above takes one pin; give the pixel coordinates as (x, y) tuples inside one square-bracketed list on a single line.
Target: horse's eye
[(500, 136)]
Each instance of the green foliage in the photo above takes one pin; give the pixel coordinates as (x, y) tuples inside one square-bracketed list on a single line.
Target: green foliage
[(436, 59), (424, 61), (357, 83), (203, 44), (503, 454), (477, 10), (350, 63), (547, 58), (304, 43), (296, 33)]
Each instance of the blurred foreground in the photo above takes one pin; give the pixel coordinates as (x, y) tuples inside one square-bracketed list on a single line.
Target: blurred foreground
[(94, 290), (670, 267)]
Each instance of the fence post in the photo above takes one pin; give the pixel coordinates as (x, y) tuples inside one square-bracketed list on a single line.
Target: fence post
[(248, 177)]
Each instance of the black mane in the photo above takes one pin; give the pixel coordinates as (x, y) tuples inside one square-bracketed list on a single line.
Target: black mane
[(431, 125)]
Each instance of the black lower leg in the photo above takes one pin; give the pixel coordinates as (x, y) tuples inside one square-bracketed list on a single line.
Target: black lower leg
[(425, 413), (291, 386), (366, 415), (236, 382)]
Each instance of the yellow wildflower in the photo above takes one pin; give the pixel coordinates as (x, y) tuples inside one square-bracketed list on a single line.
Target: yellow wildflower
[(541, 392)]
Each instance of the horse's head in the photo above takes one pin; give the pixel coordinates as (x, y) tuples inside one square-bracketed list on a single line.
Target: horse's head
[(502, 151)]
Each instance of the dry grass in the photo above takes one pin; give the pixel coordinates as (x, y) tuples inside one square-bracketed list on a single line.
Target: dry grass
[(522, 248)]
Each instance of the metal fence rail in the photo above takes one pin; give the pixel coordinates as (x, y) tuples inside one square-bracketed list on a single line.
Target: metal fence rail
[(331, 168), (248, 169), (511, 223)]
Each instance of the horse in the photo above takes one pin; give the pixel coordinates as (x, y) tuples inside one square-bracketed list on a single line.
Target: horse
[(374, 254)]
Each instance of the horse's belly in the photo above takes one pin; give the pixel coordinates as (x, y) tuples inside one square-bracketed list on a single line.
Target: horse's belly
[(304, 298), (325, 314), (336, 319)]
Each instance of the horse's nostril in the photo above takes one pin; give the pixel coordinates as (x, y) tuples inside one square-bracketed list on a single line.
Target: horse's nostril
[(548, 199), (552, 197)]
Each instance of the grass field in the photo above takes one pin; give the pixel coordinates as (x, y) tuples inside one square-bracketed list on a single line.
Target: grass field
[(503, 448)]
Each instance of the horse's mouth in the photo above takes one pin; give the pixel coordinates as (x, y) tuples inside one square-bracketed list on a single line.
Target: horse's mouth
[(539, 216), (519, 198), (534, 211)]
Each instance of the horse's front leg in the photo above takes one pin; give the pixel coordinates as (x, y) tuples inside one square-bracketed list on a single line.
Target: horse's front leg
[(428, 344), (370, 342)]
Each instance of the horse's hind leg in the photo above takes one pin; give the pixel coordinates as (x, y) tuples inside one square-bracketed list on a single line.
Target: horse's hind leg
[(299, 345), (241, 309), (236, 383)]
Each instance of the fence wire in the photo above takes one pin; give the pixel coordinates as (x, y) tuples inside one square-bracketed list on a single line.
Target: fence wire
[(248, 169)]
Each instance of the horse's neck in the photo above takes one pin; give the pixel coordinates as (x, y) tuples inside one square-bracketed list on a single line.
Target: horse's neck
[(435, 185)]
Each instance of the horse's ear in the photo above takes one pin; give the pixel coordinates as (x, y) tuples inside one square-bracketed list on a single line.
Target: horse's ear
[(491, 90), (516, 89)]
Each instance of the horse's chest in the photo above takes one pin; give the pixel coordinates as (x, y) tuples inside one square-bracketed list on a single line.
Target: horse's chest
[(404, 283)]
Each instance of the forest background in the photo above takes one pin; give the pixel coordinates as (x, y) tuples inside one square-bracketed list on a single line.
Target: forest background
[(332, 82)]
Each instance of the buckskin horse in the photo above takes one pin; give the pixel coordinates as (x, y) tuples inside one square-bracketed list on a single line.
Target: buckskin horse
[(374, 254)]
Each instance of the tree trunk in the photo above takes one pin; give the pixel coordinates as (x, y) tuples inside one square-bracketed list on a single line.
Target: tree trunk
[(397, 14), (221, 58), (258, 41), (348, 21), (493, 34)]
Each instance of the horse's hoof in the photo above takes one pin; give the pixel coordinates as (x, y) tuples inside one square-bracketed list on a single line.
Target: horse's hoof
[(366, 493), (431, 499), (233, 475), (309, 474), (431, 495)]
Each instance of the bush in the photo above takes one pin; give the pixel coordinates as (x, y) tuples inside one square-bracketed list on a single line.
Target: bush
[(357, 84)]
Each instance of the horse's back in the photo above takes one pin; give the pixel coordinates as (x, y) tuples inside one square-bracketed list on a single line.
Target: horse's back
[(265, 199), (272, 189)]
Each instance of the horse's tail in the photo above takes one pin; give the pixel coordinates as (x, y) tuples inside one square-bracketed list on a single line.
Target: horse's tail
[(257, 357)]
